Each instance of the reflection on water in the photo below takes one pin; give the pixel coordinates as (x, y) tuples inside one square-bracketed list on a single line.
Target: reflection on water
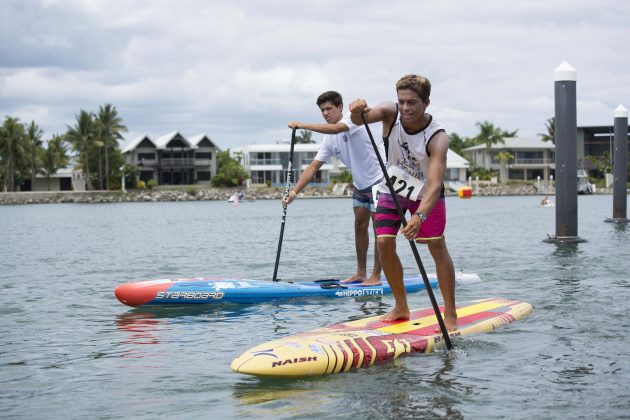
[(621, 228), (563, 251), (141, 328)]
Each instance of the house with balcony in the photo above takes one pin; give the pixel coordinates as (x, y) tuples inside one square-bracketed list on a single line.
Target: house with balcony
[(530, 158), (267, 163), (596, 141), (173, 159)]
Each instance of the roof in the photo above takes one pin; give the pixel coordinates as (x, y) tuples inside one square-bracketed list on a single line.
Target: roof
[(135, 142), (516, 143), (455, 161), (163, 141), (195, 140)]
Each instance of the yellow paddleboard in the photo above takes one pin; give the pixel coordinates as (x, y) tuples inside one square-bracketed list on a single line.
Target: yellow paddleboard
[(341, 347)]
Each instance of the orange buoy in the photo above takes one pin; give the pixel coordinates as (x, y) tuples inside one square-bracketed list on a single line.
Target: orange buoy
[(465, 192)]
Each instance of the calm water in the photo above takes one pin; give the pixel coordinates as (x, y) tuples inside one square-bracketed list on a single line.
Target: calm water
[(70, 349)]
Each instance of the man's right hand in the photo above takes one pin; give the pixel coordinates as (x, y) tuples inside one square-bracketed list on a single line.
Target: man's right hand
[(359, 106), (289, 198), (294, 124)]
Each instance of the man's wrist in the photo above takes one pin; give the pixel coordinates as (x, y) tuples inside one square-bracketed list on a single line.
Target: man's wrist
[(292, 194), (421, 215)]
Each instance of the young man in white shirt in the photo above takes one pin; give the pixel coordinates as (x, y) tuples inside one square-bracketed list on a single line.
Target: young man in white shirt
[(351, 144)]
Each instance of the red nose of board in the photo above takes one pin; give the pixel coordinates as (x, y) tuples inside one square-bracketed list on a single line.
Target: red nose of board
[(136, 294)]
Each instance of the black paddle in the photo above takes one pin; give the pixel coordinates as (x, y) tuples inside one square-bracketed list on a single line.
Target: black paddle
[(414, 249), (284, 208)]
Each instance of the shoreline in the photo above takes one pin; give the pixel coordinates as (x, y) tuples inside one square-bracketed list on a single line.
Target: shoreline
[(192, 193)]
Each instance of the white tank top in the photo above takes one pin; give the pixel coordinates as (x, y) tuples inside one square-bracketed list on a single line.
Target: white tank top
[(409, 151)]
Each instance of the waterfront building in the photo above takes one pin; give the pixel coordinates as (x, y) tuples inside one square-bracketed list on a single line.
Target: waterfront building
[(65, 179), (596, 141), (267, 164), (173, 159), (530, 158)]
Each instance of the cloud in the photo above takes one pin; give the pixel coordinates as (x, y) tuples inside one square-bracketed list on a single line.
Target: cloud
[(239, 71)]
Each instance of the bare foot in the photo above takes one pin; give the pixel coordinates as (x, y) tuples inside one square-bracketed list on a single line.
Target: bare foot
[(396, 314), (353, 279), (450, 322), (366, 284), (372, 281)]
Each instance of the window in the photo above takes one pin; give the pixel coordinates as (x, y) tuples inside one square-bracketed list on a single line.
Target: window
[(529, 155), (203, 176), (203, 155), (146, 156), (260, 177)]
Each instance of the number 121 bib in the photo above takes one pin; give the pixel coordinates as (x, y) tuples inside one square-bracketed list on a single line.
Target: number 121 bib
[(404, 184)]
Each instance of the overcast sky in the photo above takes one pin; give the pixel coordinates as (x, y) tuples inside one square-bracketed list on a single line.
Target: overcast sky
[(240, 70)]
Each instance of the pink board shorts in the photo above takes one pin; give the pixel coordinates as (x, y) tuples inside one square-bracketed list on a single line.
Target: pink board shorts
[(388, 223)]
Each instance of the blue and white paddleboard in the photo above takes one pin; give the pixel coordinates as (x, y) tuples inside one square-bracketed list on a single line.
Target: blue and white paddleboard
[(233, 290)]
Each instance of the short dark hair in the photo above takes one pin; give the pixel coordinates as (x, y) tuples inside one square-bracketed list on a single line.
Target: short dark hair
[(416, 83), (330, 96)]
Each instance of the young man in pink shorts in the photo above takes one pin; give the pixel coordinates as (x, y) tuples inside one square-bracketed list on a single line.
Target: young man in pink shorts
[(416, 166)]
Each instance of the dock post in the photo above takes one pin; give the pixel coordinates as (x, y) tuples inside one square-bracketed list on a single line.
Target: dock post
[(620, 176), (565, 79)]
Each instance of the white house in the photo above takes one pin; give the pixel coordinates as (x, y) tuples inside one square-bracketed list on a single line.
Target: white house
[(530, 157), (269, 162)]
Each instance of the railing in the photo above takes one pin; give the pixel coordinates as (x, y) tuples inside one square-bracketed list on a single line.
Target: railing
[(178, 162), (147, 162), (525, 161), (274, 161)]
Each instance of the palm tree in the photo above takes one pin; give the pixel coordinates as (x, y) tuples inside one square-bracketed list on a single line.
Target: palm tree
[(110, 127), (491, 135), (458, 143), (12, 149), (304, 137), (504, 158), (81, 136), (54, 157), (34, 141), (550, 135)]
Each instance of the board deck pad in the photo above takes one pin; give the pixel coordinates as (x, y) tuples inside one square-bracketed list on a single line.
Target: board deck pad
[(170, 291), (341, 347)]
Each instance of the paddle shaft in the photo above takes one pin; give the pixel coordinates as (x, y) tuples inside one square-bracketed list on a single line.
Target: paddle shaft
[(287, 188), (414, 248)]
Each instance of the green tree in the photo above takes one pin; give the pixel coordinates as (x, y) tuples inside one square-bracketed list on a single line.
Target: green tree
[(550, 135), (54, 157), (34, 141), (110, 129), (230, 173), (345, 176), (304, 137), (602, 163), (13, 150), (81, 137), (457, 143), (491, 135), (130, 173), (504, 158)]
